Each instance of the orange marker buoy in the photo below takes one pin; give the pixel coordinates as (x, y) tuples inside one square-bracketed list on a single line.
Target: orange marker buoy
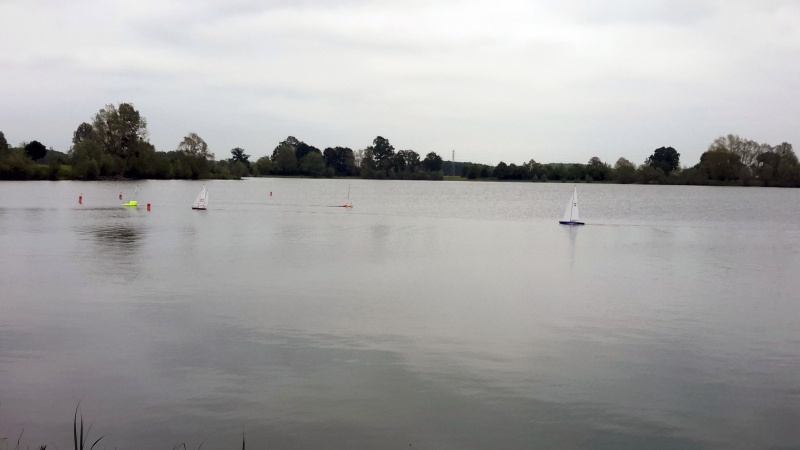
[(148, 206), (80, 199), (270, 193), (120, 195)]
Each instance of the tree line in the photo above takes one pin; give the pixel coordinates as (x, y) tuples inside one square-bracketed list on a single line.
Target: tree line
[(115, 144), (729, 160)]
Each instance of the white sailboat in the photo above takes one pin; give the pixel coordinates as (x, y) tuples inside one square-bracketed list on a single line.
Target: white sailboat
[(571, 216), (202, 199)]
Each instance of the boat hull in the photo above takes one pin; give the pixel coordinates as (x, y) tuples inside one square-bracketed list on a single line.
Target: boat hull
[(200, 208), (570, 222)]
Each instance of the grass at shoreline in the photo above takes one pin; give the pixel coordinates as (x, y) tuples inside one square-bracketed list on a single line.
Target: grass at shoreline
[(79, 438)]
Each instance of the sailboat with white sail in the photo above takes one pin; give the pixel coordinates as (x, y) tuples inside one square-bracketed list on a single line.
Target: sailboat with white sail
[(202, 199), (571, 215)]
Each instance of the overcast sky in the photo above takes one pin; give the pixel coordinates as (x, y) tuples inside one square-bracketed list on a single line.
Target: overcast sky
[(501, 80)]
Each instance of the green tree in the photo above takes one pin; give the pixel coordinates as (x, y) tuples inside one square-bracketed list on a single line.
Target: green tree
[(624, 171), (290, 142), (383, 153), (665, 158), (746, 149), (3, 143), (194, 145), (501, 171), (367, 167), (432, 162), (597, 169), (341, 159), (120, 130), (650, 175), (263, 166), (778, 167), (83, 132), (410, 160), (284, 159), (313, 164), (302, 149), (238, 155), (721, 165), (35, 150)]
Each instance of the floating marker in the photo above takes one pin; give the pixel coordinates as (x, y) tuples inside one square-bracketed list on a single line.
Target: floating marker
[(120, 195), (270, 193), (80, 199), (148, 206)]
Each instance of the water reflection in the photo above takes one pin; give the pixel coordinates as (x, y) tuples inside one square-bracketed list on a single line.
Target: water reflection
[(117, 238), (572, 232)]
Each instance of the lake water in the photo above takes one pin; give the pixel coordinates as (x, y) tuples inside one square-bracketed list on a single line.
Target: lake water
[(432, 315)]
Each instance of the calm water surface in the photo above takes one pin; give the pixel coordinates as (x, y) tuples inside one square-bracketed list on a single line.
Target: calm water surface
[(433, 315)]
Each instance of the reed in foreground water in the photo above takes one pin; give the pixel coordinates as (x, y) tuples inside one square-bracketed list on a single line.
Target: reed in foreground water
[(79, 438)]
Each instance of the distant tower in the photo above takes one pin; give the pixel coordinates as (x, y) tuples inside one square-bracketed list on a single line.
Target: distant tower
[(453, 164)]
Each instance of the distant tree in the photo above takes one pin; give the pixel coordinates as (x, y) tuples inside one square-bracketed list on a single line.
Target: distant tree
[(532, 169), (746, 149), (263, 166), (302, 149), (238, 169), (432, 162), (778, 167), (367, 167), (35, 150), (597, 170), (721, 165), (383, 153), (624, 171), (358, 157), (341, 159), (284, 159), (120, 130), (83, 132), (313, 164), (622, 162), (291, 143), (649, 174), (410, 159), (501, 171), (194, 145), (238, 155), (3, 143), (785, 151), (665, 158)]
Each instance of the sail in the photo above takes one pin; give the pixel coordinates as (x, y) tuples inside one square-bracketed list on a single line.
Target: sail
[(571, 214), (202, 199), (575, 216)]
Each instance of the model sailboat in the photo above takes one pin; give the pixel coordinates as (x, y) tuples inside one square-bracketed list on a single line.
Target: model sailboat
[(202, 199), (131, 201), (348, 204), (571, 216)]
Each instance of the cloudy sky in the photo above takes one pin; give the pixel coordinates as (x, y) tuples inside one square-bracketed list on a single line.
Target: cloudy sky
[(501, 80)]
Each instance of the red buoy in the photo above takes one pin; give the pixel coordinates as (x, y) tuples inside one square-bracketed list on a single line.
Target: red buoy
[(148, 206), (120, 195), (270, 193), (80, 199)]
